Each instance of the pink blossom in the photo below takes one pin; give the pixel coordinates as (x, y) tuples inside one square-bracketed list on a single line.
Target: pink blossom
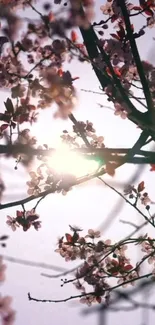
[(2, 270), (36, 225), (5, 303), (93, 234), (11, 222), (120, 111), (128, 189), (121, 251), (79, 286), (9, 318), (88, 300), (33, 184), (145, 200), (107, 8)]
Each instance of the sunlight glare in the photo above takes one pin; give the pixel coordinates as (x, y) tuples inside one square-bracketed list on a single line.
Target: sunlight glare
[(66, 162)]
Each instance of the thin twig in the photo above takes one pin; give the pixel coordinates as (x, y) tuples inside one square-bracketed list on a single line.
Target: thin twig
[(129, 223), (127, 201), (90, 293)]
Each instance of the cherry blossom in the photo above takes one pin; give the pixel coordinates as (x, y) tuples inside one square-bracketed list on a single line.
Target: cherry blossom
[(33, 184), (107, 8), (148, 247), (7, 314), (88, 300), (128, 190), (93, 234), (33, 60), (12, 222), (119, 110), (26, 219), (9, 318), (145, 200), (5, 303), (2, 270)]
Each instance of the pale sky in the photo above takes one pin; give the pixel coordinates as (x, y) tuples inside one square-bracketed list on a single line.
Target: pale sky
[(87, 206)]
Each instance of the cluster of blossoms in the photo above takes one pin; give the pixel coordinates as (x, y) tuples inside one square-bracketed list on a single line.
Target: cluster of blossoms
[(25, 219), (138, 194), (47, 179), (14, 115), (148, 247), (86, 128), (102, 261), (120, 54), (112, 8), (48, 83), (15, 4), (7, 314), (77, 17), (45, 46)]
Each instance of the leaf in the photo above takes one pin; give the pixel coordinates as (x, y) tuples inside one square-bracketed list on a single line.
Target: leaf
[(13, 124), (110, 169), (136, 8), (99, 299), (31, 107), (152, 169), (148, 12), (9, 106), (128, 267), (69, 238), (114, 18), (80, 46), (115, 36), (3, 127), (150, 3), (45, 146), (19, 213), (121, 32), (60, 72), (117, 72), (141, 187), (32, 218), (51, 17), (5, 117), (75, 237), (74, 36), (20, 46)]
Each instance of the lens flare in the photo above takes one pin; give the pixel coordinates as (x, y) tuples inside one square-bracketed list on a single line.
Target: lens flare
[(66, 162)]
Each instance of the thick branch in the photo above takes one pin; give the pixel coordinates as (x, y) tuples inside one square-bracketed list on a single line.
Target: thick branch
[(91, 42), (137, 59), (9, 150)]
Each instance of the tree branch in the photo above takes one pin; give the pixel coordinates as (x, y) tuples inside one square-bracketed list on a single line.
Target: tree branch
[(137, 59)]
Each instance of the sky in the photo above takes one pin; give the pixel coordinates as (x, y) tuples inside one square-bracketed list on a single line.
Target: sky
[(87, 206)]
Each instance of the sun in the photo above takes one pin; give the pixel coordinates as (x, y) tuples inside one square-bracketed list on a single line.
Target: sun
[(65, 161)]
